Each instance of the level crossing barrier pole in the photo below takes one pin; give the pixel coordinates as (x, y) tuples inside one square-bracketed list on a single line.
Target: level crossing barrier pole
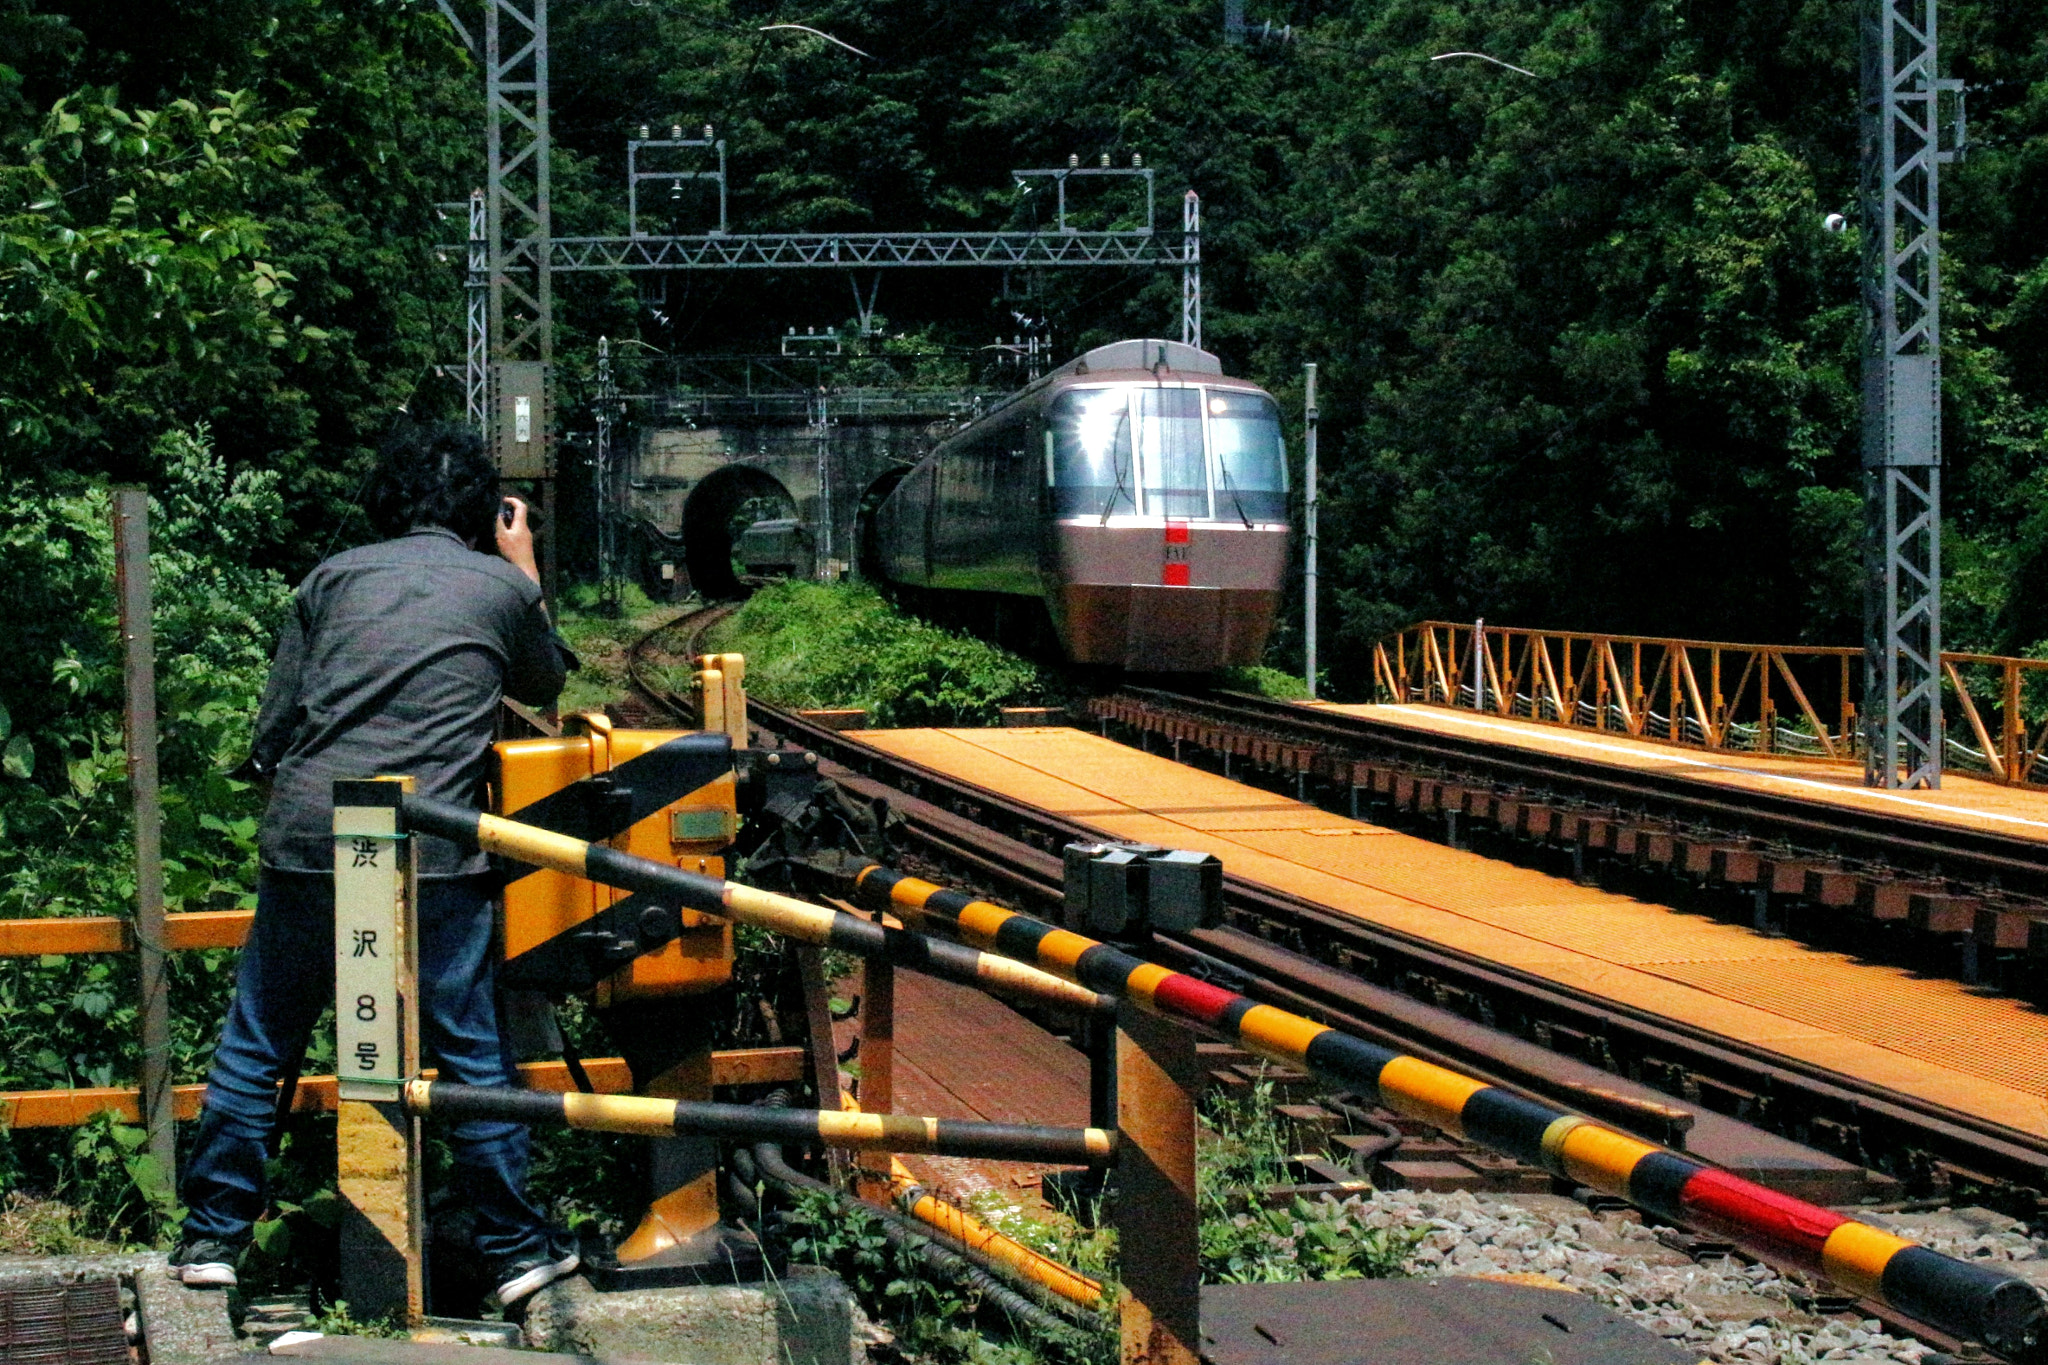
[(138, 670), (839, 1129), (1966, 1299), (376, 1046), (808, 924)]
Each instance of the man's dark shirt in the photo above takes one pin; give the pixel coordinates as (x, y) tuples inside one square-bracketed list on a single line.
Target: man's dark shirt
[(393, 661)]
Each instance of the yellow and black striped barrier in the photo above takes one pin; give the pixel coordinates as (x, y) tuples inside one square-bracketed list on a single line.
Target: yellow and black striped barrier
[(800, 920), (1979, 1302), (844, 1128)]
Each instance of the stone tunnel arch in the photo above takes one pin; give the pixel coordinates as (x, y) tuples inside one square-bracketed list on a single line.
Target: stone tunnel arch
[(733, 494)]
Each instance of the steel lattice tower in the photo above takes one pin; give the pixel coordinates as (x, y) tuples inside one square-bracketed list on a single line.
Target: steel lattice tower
[(477, 332), (517, 148), (1901, 137)]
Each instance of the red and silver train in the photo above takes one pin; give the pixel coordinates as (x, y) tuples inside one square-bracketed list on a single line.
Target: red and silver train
[(1134, 501)]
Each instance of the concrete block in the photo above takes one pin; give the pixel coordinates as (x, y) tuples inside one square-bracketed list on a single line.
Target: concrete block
[(802, 1318), (181, 1325)]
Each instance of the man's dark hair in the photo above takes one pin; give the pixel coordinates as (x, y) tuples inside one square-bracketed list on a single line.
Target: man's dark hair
[(437, 475)]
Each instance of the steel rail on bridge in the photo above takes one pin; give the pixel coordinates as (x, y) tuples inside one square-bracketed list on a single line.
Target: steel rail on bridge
[(1708, 694)]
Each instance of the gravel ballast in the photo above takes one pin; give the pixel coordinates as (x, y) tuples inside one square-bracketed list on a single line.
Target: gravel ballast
[(1726, 1308)]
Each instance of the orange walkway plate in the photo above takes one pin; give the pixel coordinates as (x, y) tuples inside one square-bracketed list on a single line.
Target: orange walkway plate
[(1938, 1040), (1965, 801)]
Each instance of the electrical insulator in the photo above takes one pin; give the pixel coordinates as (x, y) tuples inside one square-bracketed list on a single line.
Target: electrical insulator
[(1073, 160), (1105, 161), (643, 132), (1137, 161), (675, 191), (707, 132), (675, 132)]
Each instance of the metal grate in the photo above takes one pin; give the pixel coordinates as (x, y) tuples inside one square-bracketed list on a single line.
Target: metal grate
[(62, 1324)]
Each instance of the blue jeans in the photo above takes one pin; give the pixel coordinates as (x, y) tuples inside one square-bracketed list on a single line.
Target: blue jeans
[(286, 980)]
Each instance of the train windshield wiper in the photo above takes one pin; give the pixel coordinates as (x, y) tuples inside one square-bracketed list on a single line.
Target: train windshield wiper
[(1230, 486), (1121, 469)]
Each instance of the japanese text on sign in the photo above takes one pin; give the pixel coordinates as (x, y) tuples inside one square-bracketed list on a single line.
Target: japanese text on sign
[(369, 892)]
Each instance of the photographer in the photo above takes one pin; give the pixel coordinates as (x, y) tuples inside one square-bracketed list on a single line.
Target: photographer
[(393, 660)]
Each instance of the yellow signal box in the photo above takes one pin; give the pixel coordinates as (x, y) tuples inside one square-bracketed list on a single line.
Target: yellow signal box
[(691, 832), (667, 1046)]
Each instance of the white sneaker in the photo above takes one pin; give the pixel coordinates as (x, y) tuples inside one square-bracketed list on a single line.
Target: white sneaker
[(206, 1263), (522, 1277)]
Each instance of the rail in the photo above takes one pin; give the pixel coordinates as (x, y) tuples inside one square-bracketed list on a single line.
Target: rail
[(1798, 701)]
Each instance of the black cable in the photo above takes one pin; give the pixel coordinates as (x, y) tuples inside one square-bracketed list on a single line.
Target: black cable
[(573, 1059), (287, 1097), (1058, 1318)]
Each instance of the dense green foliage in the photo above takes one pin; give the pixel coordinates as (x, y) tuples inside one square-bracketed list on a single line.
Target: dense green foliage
[(64, 815), (837, 645)]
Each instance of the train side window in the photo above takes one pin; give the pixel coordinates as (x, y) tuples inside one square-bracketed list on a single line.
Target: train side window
[(1170, 452), (1251, 461), (1090, 465)]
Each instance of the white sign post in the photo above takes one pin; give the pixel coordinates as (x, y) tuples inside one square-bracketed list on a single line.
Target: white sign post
[(376, 1050)]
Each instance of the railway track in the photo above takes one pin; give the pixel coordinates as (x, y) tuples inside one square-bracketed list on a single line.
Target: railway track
[(1465, 1010), (1976, 891), (680, 640)]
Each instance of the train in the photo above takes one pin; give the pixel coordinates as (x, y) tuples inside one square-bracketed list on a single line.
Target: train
[(1130, 507)]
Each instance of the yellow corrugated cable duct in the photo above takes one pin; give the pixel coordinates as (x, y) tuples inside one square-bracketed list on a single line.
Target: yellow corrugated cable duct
[(904, 1191)]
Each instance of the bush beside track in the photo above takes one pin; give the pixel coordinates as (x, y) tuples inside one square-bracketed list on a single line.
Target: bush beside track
[(835, 645)]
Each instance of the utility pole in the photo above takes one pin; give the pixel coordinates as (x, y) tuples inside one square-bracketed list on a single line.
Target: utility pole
[(1308, 621), (609, 589), (138, 670), (1191, 270), (1902, 129), (1233, 22), (519, 233)]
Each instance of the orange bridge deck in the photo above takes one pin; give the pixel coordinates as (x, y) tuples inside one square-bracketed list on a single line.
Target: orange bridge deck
[(1938, 1040)]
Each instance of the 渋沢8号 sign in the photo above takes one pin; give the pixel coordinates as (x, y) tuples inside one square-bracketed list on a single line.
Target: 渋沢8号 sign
[(370, 887)]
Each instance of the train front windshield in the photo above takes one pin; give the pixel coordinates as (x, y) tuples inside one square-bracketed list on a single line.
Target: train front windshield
[(1181, 452)]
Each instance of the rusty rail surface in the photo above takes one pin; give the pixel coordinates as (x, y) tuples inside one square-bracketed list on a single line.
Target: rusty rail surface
[(1799, 701)]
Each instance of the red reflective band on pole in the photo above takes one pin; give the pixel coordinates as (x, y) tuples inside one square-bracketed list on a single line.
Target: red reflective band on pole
[(1191, 999), (1792, 1227)]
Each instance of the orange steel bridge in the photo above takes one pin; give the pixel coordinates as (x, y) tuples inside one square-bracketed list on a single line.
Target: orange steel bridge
[(1790, 700)]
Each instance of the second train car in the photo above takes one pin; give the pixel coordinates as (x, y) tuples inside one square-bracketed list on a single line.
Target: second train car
[(1134, 500)]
